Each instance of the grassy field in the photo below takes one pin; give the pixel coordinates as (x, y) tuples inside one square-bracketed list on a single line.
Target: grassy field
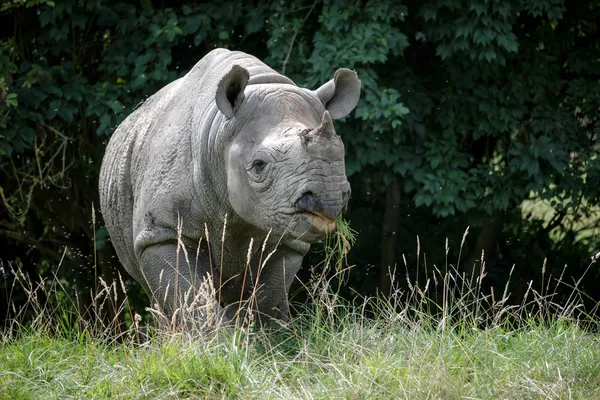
[(454, 342), (355, 359), (352, 358)]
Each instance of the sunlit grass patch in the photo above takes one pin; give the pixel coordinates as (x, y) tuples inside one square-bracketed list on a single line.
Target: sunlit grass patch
[(582, 219)]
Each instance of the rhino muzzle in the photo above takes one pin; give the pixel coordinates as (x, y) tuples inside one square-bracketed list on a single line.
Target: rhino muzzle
[(327, 209)]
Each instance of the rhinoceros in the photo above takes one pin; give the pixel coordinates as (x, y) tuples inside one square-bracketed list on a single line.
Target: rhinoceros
[(231, 140)]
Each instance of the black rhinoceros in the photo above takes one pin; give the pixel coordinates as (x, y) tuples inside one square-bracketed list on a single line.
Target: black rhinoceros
[(231, 139)]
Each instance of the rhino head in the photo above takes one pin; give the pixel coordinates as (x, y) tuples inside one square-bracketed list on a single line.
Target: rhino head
[(284, 161)]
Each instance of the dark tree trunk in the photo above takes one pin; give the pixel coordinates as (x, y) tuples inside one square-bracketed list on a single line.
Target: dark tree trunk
[(486, 242), (391, 219)]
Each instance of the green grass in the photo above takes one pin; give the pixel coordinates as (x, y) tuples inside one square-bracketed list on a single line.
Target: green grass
[(353, 358), (455, 342)]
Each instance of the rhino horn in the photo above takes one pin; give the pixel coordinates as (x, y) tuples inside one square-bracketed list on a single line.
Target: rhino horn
[(326, 127), (325, 130)]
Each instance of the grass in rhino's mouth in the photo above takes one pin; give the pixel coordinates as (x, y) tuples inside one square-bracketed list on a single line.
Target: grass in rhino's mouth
[(338, 243)]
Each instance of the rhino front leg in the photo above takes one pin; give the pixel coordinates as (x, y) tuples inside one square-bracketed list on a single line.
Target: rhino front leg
[(274, 283), (177, 286)]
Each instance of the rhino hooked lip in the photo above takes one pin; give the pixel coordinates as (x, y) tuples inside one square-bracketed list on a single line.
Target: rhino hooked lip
[(318, 222)]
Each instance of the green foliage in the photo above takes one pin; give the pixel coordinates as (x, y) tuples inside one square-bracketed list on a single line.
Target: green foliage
[(473, 106), (477, 30), (505, 109)]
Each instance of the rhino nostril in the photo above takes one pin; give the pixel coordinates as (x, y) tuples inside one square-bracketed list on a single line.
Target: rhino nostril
[(306, 202)]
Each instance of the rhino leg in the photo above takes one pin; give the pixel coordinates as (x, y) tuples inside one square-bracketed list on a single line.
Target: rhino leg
[(274, 283), (177, 286)]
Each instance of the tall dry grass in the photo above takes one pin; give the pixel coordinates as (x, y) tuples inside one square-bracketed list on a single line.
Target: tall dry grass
[(449, 336)]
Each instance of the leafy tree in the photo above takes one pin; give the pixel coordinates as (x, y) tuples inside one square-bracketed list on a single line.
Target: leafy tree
[(470, 111)]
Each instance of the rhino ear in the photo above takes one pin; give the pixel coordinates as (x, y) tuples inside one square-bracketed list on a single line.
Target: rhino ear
[(340, 95), (230, 91)]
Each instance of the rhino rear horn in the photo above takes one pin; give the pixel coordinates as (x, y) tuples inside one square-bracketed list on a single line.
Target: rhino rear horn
[(230, 91), (326, 127), (340, 95), (325, 130)]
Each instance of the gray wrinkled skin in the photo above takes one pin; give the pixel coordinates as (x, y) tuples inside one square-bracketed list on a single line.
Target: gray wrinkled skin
[(232, 137)]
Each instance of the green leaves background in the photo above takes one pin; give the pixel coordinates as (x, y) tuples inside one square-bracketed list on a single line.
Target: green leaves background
[(475, 107)]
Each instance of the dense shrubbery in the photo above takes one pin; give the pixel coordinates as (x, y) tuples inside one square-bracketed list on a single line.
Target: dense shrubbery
[(473, 113)]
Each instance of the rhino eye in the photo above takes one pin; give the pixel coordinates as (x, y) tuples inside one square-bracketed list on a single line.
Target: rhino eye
[(258, 164)]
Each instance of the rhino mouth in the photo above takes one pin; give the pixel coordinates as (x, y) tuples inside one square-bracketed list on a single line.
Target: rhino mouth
[(318, 222)]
